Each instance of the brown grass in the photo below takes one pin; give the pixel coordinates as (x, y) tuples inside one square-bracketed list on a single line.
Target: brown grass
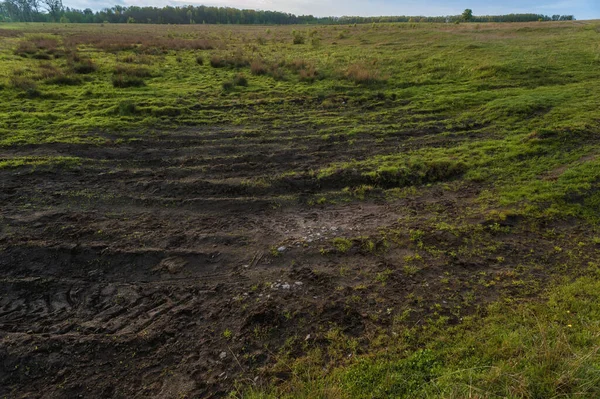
[(298, 64), (258, 67), (140, 42), (235, 60), (309, 74), (361, 74)]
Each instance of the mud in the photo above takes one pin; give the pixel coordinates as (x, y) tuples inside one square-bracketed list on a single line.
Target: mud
[(152, 269)]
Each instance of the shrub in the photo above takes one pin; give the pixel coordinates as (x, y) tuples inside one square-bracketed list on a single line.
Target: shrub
[(48, 71), (277, 73), (218, 61), (308, 75), (129, 58), (25, 48), (299, 38), (65, 80), (41, 56), (229, 85), (123, 81), (240, 80), (84, 66), (133, 71), (200, 60), (258, 67), (25, 84), (38, 47), (22, 83), (261, 40), (298, 64), (236, 60)]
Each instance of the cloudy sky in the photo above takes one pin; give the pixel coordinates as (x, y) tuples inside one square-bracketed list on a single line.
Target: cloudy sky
[(582, 9)]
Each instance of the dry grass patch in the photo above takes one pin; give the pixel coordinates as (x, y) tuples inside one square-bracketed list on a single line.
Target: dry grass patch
[(363, 74)]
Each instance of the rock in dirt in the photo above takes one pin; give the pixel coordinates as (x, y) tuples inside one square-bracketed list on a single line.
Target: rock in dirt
[(171, 265)]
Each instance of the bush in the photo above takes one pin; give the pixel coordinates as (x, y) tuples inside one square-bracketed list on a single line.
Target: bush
[(133, 71), (308, 75), (22, 83), (65, 80), (240, 80), (298, 64), (236, 60), (38, 47), (200, 60), (41, 56), (258, 67), (123, 81), (229, 85), (299, 38), (84, 66), (218, 61)]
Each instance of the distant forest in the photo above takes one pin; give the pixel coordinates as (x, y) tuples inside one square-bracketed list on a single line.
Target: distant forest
[(54, 11)]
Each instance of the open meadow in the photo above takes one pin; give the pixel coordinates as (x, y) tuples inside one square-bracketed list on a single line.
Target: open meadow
[(346, 211)]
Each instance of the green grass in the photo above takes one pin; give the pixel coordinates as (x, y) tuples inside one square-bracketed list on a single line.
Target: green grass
[(516, 102), (511, 109), (535, 349)]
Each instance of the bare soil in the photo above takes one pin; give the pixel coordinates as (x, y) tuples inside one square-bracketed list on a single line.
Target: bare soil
[(180, 264)]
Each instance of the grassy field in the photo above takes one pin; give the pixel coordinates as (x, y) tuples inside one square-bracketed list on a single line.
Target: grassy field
[(363, 211)]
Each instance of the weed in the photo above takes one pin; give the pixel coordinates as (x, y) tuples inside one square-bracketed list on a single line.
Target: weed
[(342, 245)]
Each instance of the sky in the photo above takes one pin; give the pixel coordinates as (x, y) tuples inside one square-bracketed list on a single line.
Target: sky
[(582, 9)]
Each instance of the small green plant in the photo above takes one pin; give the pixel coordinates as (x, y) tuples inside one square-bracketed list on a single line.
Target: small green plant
[(227, 334), (342, 245), (298, 37), (384, 276), (410, 270)]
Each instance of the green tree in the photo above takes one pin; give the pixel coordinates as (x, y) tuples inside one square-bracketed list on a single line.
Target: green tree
[(55, 8), (467, 15)]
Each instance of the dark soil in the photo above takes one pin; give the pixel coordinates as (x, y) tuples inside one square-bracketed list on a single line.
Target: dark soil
[(153, 269)]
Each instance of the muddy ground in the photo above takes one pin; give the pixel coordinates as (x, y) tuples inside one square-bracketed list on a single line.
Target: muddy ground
[(181, 264)]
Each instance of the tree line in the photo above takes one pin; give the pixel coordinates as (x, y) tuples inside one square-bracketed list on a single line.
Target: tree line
[(54, 11)]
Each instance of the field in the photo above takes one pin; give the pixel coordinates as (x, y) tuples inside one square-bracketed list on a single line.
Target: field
[(364, 211)]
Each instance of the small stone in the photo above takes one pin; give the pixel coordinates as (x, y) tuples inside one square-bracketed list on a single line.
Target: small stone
[(285, 286), (307, 337), (223, 355), (298, 283), (281, 249)]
